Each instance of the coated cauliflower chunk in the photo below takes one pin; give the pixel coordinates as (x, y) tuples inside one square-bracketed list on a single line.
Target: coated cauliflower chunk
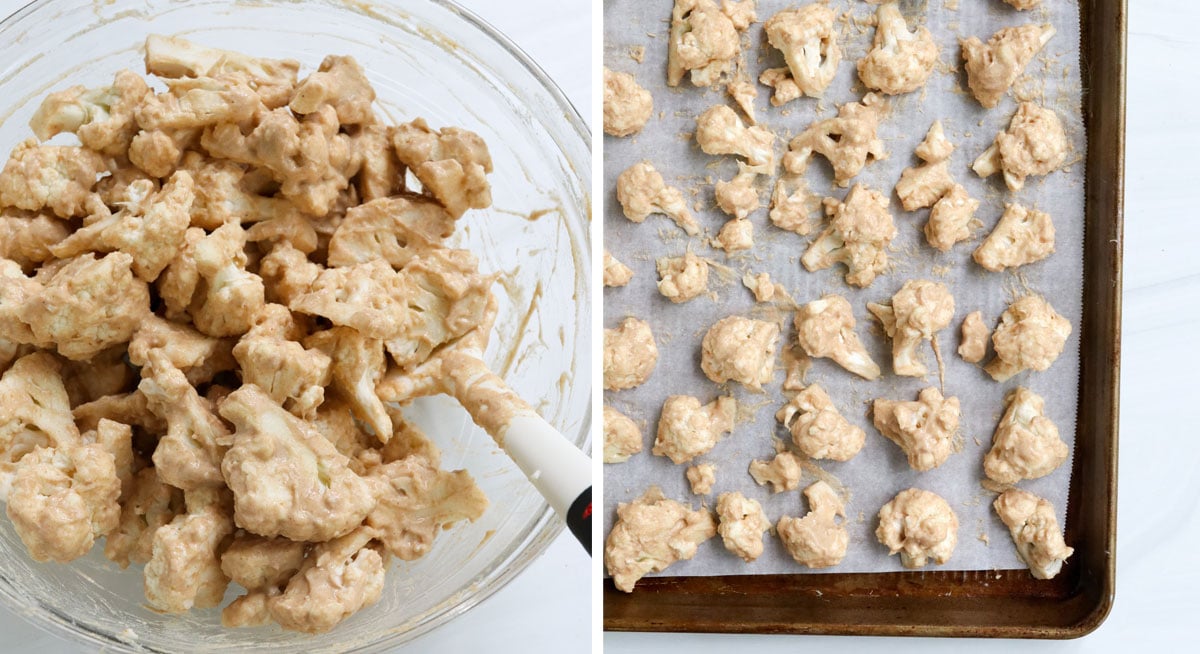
[(629, 354), (258, 563), (808, 41), (295, 377), (926, 430), (790, 204), (849, 141), (184, 570), (339, 83), (817, 540), (200, 357), (974, 338), (900, 61), (1035, 531), (992, 68), (172, 57), (650, 534), (615, 273), (452, 164), (741, 524), (1021, 237), (1030, 336), (924, 185), (719, 131), (416, 500), (149, 505), (825, 328), (817, 429), (687, 430), (951, 218), (919, 525), (210, 282), (703, 41), (357, 363), (735, 236), (762, 288), (627, 106), (682, 278), (1033, 144), (189, 455), (782, 472), (1026, 444), (197, 102), (701, 478), (338, 578), (738, 197), (739, 349), (59, 178), (859, 232), (642, 191), (26, 238), (622, 437), (34, 412), (1022, 5), (102, 118), (395, 229), (918, 311)]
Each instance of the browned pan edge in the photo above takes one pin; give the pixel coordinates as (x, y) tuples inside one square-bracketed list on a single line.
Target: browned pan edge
[(983, 604)]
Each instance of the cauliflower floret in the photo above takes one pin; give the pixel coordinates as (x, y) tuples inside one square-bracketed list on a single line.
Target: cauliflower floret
[(818, 430), (761, 286), (817, 540), (184, 570), (227, 297), (782, 472), (924, 185), (173, 57), (629, 354), (381, 173), (128, 408), (1022, 236), (951, 218), (270, 358), (150, 505), (249, 610), (900, 61), (395, 229), (416, 501), (16, 290), (286, 478), (735, 235), (790, 206), (200, 357), (742, 524), (102, 118), (259, 563), (1033, 144), (740, 349), (616, 273), (720, 131), (291, 228), (1035, 531), (107, 373), (701, 478), (221, 196), (935, 146), (189, 455), (974, 338), (627, 106), (917, 312), (337, 579), (808, 41), (825, 328), (451, 164), (339, 83), (650, 534), (622, 437), (687, 430), (926, 430), (1030, 336), (60, 178), (363, 296), (703, 40), (919, 525), (117, 440), (357, 365), (859, 232), (738, 197), (993, 67), (849, 141), (27, 238), (743, 92), (1026, 444), (642, 191)]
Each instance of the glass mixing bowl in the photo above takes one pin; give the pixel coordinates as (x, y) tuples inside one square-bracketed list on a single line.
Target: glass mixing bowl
[(429, 59)]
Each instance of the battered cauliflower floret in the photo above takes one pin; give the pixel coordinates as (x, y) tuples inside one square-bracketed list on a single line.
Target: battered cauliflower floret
[(650, 534), (1022, 5), (720, 131), (818, 429), (220, 195), (951, 218), (743, 92), (1022, 236), (339, 83), (924, 185), (1033, 144), (736, 235), (992, 68), (917, 312), (173, 57), (783, 472), (935, 146), (1035, 531), (808, 41), (249, 610), (270, 358), (102, 118), (919, 525), (338, 578), (105, 374), (451, 163), (27, 238), (760, 285), (741, 350), (817, 540), (701, 478), (381, 173), (615, 273), (227, 296), (629, 354), (825, 328), (117, 440), (189, 455), (703, 41), (974, 338), (416, 500), (790, 204), (687, 430), (184, 570), (859, 232), (642, 191), (741, 524), (16, 290), (200, 357), (849, 141), (258, 563), (149, 505), (56, 177), (1030, 336), (395, 229), (363, 296), (1026, 444), (194, 102), (128, 408), (738, 197), (357, 365), (900, 61), (158, 152), (926, 430), (622, 437), (627, 106)]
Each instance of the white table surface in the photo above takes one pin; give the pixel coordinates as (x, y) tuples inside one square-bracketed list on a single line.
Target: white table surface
[(1158, 573), (548, 606)]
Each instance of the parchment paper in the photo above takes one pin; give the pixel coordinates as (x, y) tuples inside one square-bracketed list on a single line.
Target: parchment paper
[(880, 470)]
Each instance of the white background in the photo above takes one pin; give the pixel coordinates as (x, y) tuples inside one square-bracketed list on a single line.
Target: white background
[(548, 606)]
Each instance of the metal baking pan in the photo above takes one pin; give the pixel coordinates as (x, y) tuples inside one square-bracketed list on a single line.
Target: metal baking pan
[(997, 604)]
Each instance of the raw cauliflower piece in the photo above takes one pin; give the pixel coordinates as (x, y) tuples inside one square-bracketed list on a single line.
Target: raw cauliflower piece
[(739, 349), (642, 191), (817, 429), (629, 354), (189, 455), (184, 570), (338, 578), (615, 273), (817, 540), (917, 312), (416, 500), (900, 61), (687, 430), (150, 504), (992, 68), (173, 57), (703, 41), (919, 525), (951, 218), (719, 131), (1033, 144), (286, 478), (701, 478), (974, 338), (627, 105), (1030, 336), (395, 229), (926, 430), (56, 177), (102, 118), (1035, 531), (27, 238), (339, 83), (790, 204), (808, 41), (1021, 237), (357, 363), (1026, 444), (452, 164), (859, 232), (736, 235), (924, 185), (782, 472), (741, 524), (200, 357), (294, 376), (825, 328), (650, 534), (622, 437), (849, 141)]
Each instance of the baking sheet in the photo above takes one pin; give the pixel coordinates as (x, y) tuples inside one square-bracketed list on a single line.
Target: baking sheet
[(880, 470)]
